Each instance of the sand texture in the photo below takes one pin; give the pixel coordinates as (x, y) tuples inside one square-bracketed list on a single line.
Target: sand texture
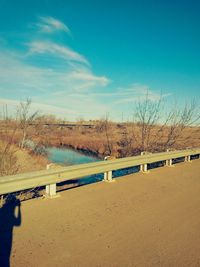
[(138, 220)]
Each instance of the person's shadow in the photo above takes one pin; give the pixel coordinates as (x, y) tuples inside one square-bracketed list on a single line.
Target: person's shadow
[(10, 216)]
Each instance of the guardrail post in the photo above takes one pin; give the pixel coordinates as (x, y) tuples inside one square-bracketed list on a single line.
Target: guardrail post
[(50, 191), (188, 158), (143, 167), (169, 163), (108, 176)]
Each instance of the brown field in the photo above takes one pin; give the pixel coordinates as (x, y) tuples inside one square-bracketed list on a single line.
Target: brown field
[(106, 138), (119, 140)]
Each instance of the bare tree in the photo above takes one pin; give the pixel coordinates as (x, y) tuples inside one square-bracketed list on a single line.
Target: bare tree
[(158, 131), (104, 126), (147, 115), (126, 142), (25, 119), (178, 120), (8, 159)]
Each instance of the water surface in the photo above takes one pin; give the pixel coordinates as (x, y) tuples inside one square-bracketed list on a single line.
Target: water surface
[(67, 157)]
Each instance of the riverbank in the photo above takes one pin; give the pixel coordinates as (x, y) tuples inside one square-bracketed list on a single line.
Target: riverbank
[(28, 162), (109, 138), (16, 160), (105, 139), (119, 140)]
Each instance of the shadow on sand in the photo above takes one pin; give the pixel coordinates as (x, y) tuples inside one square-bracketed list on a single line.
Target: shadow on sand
[(10, 216)]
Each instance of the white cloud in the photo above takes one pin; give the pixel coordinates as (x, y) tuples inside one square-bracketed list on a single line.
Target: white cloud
[(57, 90), (137, 92), (60, 80), (67, 93), (89, 77), (50, 24), (18, 75), (41, 47), (131, 93), (42, 108)]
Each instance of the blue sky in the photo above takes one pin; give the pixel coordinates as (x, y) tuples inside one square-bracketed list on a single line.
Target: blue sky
[(88, 58)]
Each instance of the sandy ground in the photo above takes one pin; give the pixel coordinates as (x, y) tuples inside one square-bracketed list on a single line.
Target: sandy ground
[(138, 220)]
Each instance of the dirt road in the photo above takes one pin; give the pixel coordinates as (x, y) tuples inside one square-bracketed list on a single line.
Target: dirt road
[(139, 220)]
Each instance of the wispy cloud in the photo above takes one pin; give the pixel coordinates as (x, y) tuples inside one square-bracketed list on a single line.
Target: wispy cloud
[(42, 108), (66, 93), (50, 24), (132, 93), (136, 92), (61, 80), (41, 47), (22, 76), (87, 76), (57, 90)]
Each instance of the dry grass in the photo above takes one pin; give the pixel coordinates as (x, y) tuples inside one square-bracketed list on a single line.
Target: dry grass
[(119, 140), (30, 162), (8, 159), (16, 160)]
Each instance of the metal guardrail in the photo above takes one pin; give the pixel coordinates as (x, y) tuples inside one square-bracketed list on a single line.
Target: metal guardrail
[(49, 178)]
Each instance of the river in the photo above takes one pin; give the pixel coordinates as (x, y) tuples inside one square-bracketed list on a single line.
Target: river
[(67, 157)]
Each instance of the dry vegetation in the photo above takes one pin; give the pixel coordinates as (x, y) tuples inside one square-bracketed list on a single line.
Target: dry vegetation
[(14, 156), (149, 131), (120, 141)]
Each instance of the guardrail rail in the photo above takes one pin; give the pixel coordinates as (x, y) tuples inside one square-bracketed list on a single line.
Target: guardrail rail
[(49, 178)]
